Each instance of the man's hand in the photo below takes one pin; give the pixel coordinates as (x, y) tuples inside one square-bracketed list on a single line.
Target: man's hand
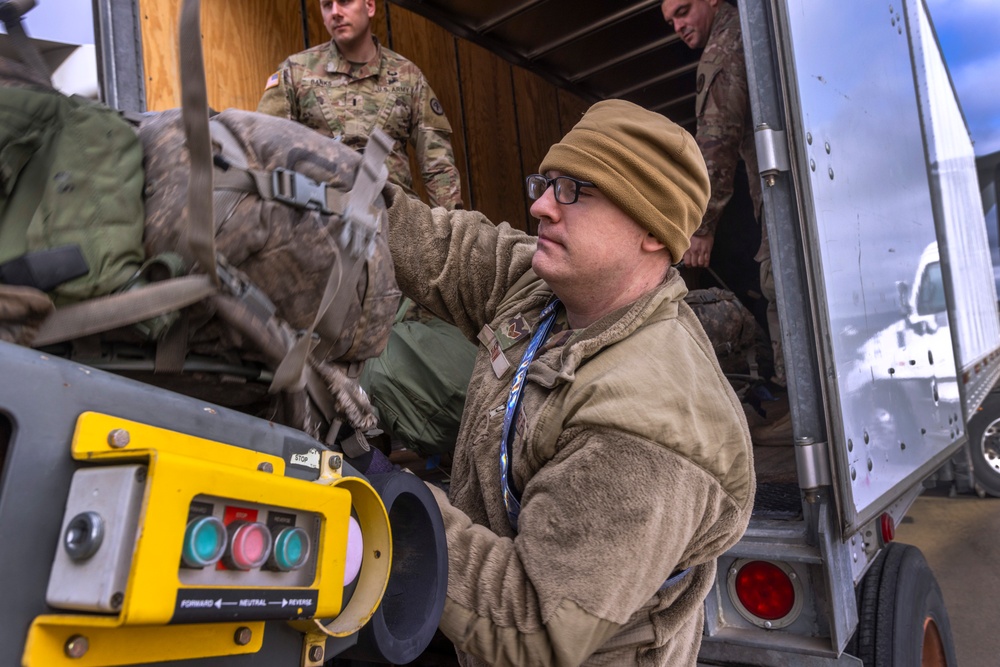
[(700, 251)]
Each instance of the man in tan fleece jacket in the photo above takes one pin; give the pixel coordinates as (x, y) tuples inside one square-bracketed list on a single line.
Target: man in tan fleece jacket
[(603, 462)]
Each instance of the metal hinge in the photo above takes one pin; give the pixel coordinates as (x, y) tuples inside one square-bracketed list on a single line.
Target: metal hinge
[(772, 152), (813, 466)]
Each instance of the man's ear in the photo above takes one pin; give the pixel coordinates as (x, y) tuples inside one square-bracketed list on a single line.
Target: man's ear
[(652, 244), (370, 6)]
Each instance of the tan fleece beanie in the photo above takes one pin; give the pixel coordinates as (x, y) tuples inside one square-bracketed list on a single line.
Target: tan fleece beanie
[(649, 166)]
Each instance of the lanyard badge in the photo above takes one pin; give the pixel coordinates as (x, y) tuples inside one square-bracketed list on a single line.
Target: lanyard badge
[(511, 496)]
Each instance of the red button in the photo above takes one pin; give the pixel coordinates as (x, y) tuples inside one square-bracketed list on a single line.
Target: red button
[(249, 545)]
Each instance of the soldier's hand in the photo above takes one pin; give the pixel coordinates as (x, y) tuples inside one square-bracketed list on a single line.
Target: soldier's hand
[(700, 252)]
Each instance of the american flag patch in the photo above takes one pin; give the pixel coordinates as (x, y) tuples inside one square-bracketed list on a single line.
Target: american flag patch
[(272, 81)]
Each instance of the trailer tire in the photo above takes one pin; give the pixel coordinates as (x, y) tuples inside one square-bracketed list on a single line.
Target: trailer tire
[(902, 620), (984, 445)]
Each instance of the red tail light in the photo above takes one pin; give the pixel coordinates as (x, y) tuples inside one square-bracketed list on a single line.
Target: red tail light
[(765, 590), (887, 528)]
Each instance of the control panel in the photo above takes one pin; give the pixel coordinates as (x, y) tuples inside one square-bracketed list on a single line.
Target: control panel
[(167, 535)]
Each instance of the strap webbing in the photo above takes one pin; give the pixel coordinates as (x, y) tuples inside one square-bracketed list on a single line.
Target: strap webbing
[(26, 49), (199, 234), (361, 222), (118, 310)]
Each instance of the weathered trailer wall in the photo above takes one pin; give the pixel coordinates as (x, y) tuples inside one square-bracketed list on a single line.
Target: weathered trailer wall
[(504, 118)]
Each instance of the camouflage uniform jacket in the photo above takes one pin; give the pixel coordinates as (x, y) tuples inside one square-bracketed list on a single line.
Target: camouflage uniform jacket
[(621, 486), (725, 125), (320, 88)]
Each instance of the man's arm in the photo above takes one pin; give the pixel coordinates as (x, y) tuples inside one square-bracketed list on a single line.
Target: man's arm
[(432, 142), (279, 95), (722, 111), (602, 528), (456, 263)]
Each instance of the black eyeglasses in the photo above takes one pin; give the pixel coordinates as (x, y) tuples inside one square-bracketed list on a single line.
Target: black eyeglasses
[(566, 189)]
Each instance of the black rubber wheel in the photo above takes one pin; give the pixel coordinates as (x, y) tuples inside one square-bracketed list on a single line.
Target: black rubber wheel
[(984, 445), (902, 620), (406, 620)]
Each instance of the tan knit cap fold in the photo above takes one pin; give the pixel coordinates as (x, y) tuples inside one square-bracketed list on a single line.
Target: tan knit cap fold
[(649, 166)]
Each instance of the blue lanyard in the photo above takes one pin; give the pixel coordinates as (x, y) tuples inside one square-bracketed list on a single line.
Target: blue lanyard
[(511, 496)]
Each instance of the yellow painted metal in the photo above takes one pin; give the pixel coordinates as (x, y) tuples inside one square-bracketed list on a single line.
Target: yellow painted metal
[(375, 563), (93, 430), (110, 644), (181, 467), (313, 641)]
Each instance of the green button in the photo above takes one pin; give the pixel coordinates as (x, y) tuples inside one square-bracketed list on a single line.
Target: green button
[(204, 542), (291, 549)]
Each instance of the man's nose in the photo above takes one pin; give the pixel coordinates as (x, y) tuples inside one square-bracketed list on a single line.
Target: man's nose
[(546, 206)]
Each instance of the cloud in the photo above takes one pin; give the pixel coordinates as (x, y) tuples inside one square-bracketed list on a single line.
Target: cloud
[(980, 101), (966, 30)]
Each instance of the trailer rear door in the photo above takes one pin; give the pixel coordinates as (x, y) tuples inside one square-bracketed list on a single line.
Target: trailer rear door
[(891, 234)]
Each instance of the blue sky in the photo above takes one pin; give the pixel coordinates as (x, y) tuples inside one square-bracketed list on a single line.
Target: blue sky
[(969, 32)]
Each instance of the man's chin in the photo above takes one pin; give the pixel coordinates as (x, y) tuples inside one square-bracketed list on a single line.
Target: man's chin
[(544, 266)]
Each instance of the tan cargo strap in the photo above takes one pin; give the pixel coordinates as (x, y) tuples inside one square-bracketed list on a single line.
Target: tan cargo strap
[(10, 14), (361, 225), (199, 236), (172, 349), (118, 310), (361, 221), (225, 199), (362, 218)]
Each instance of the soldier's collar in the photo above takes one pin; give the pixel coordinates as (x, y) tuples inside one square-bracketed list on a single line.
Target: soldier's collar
[(338, 64)]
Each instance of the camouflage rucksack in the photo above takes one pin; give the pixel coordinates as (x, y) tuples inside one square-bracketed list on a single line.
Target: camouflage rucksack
[(739, 341), (289, 282)]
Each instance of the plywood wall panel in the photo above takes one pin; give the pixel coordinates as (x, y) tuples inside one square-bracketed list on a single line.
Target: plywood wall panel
[(571, 110), (432, 49), (491, 134), (243, 44), (317, 32), (537, 105)]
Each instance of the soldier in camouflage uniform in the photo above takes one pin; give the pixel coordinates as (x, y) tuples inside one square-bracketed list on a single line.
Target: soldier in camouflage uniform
[(352, 84), (724, 132)]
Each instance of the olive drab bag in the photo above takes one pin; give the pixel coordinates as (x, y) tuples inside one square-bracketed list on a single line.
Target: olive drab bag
[(419, 384), (264, 248), (70, 179)]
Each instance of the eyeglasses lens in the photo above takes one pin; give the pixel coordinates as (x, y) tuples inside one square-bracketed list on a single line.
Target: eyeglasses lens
[(536, 186), (564, 190)]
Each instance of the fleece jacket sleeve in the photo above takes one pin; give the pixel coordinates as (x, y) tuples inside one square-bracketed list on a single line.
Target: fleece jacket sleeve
[(590, 552), (456, 263)]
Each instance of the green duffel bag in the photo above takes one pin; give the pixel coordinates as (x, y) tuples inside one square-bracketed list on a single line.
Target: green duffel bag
[(418, 384), (70, 179)]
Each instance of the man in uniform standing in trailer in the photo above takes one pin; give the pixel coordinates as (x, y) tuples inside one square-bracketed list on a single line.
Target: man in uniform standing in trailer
[(725, 134), (352, 84)]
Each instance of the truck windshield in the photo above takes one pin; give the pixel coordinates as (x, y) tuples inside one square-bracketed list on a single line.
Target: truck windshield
[(930, 297)]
